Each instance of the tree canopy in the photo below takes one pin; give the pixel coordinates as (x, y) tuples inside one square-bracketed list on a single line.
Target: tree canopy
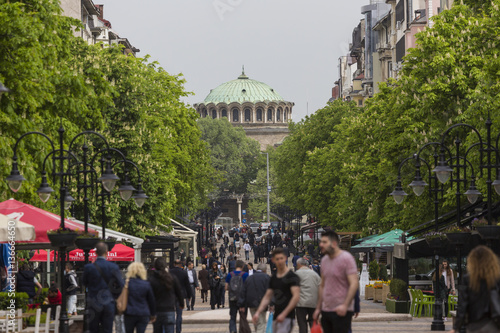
[(343, 171), (233, 154), (56, 78)]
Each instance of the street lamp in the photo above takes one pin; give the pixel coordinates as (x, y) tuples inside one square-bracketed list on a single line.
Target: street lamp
[(268, 188)]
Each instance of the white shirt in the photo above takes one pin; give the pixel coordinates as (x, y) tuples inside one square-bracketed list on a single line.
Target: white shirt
[(190, 276), (250, 272), (247, 247)]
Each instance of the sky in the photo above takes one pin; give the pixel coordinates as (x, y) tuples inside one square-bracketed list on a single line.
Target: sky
[(291, 45)]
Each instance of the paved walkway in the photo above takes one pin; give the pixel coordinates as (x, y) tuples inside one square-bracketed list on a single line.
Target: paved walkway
[(373, 318)]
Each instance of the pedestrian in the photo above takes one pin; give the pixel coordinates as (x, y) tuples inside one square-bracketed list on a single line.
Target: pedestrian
[(309, 287), (226, 241), (193, 283), (104, 284), (253, 291), (247, 248), (182, 255), (71, 289), (222, 252), (339, 283), (443, 291), (203, 280), (26, 282), (287, 254), (478, 301), (234, 285), (222, 297), (449, 277), (284, 286), (256, 253), (141, 304), (183, 279), (214, 280), (262, 252), (167, 291), (250, 269), (231, 264)]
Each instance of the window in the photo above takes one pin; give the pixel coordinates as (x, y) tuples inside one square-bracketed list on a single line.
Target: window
[(285, 115), (236, 115), (248, 116), (269, 115), (259, 114), (389, 69), (224, 113), (214, 114), (204, 113), (360, 102), (278, 115)]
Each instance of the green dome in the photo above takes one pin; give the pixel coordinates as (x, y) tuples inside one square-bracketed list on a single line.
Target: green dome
[(242, 90)]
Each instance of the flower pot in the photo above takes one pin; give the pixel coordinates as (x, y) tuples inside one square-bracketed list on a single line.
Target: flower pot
[(391, 305), (458, 238), (86, 244), (110, 244), (436, 243), (369, 292), (489, 232), (62, 240), (378, 295), (385, 291)]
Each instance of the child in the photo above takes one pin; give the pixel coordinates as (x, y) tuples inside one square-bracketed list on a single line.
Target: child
[(54, 297)]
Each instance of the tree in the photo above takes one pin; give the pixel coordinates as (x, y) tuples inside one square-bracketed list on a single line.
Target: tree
[(232, 154)]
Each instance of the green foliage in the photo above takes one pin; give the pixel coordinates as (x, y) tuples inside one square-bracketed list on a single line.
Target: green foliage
[(43, 295), (232, 154), (21, 300), (398, 288), (57, 79), (31, 321), (373, 270), (341, 163), (382, 274)]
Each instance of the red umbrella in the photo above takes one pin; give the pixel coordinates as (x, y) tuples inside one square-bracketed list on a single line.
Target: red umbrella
[(119, 253), (42, 220)]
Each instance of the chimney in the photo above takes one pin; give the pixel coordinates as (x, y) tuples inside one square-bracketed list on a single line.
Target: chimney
[(101, 11)]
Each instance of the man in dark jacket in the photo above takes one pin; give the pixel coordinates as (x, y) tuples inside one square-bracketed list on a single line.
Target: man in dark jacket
[(104, 284), (183, 279), (193, 284), (26, 282), (253, 291), (256, 253)]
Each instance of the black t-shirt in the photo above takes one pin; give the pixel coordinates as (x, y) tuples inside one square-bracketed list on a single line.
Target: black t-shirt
[(282, 292)]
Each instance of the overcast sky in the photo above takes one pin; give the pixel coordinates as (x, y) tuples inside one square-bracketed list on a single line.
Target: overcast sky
[(292, 45)]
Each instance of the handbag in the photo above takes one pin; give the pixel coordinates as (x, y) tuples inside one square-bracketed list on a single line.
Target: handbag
[(244, 326), (122, 300), (269, 327), (316, 328)]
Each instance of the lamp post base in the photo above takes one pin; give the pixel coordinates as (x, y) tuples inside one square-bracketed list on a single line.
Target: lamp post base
[(437, 325), (437, 322)]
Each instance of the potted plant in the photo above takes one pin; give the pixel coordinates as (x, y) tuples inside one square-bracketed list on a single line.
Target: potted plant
[(487, 232), (378, 292), (62, 237), (87, 241), (110, 242), (369, 291), (398, 300), (436, 239), (457, 235)]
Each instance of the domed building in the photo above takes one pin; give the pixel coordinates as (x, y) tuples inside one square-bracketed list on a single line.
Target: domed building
[(254, 105)]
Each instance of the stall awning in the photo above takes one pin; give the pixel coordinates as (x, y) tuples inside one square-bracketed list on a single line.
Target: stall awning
[(379, 243), (120, 252)]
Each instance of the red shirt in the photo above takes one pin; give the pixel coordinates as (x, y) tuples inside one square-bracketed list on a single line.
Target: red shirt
[(57, 300)]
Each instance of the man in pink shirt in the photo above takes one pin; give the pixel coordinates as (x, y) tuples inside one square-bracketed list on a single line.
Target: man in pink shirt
[(339, 283)]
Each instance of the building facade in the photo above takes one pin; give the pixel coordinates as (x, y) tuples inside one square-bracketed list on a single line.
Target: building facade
[(253, 105)]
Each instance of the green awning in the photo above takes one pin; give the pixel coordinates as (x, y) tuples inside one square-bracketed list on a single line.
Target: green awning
[(380, 243)]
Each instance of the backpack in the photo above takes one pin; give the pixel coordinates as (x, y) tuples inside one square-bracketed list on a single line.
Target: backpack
[(235, 286)]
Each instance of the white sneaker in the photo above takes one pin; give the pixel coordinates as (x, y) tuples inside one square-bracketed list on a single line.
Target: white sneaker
[(445, 318)]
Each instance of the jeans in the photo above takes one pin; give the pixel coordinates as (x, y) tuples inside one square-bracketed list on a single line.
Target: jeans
[(261, 323), (193, 297), (119, 323), (165, 322), (214, 297), (101, 317), (178, 318), (331, 322), (247, 255), (71, 304), (222, 297), (304, 317), (136, 322), (233, 312)]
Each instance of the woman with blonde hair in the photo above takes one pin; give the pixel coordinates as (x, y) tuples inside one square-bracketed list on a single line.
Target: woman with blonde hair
[(479, 292), (141, 301)]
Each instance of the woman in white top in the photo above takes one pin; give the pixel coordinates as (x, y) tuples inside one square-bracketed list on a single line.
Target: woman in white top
[(449, 278)]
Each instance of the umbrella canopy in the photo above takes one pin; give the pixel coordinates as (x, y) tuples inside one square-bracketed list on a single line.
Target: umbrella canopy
[(20, 232), (42, 220), (120, 252), (380, 243)]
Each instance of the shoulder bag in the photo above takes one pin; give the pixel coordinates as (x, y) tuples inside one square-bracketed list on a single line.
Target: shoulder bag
[(121, 301)]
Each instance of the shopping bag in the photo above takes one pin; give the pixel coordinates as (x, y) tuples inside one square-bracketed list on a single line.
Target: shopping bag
[(316, 328), (244, 326), (269, 328)]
